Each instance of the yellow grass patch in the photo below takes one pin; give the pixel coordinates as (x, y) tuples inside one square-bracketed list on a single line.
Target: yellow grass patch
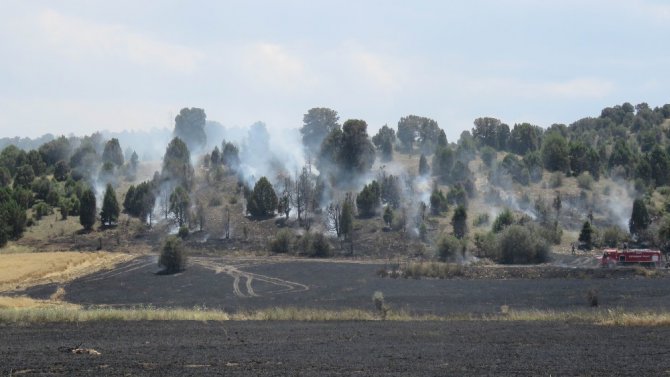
[(22, 270)]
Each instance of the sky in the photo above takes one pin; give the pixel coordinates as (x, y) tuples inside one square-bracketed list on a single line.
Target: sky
[(78, 66)]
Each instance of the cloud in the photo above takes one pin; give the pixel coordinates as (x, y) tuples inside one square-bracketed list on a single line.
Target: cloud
[(576, 88), (80, 39), (272, 64)]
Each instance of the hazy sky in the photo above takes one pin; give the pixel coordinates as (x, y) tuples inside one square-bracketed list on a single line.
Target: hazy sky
[(81, 66)]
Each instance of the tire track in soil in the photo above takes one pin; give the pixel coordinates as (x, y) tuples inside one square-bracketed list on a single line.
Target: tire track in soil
[(284, 286)]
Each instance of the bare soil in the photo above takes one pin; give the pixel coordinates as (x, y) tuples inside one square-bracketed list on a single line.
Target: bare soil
[(334, 349)]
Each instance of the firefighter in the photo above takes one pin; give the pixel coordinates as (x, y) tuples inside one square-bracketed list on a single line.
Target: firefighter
[(573, 248)]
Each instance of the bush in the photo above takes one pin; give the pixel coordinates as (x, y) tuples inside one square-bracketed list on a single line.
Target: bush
[(450, 248), (320, 246), (481, 219), (183, 232), (517, 245), (40, 210), (485, 244), (611, 236), (503, 220), (215, 201), (380, 305), (585, 181), (282, 241), (556, 180), (173, 256)]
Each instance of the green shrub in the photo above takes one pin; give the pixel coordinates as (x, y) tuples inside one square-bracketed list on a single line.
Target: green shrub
[(450, 248), (556, 180), (215, 201), (485, 245), (611, 236), (40, 210), (503, 220), (320, 246), (585, 181), (282, 241), (173, 256), (481, 220), (183, 232), (517, 245)]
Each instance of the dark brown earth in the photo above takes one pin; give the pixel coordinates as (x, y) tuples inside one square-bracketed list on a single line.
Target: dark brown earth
[(334, 349), (222, 283)]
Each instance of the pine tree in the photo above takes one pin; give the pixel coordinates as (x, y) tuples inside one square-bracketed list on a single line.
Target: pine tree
[(586, 235), (110, 207), (460, 222), (87, 209)]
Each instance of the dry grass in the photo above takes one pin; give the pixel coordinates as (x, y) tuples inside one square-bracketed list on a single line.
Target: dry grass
[(37, 311), (22, 270)]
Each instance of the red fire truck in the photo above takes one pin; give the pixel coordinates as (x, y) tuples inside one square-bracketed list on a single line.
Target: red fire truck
[(628, 257)]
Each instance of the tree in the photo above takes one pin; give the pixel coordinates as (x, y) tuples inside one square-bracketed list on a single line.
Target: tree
[(347, 218), (173, 256), (450, 248), (384, 141), (263, 200), (190, 127), (179, 205), (230, 155), (177, 164), (12, 217), (424, 169), (61, 170), (24, 177), (502, 221), (34, 159), (525, 138), (55, 150), (5, 177), (215, 157), (486, 132), (388, 216), (443, 162), (639, 219), (368, 200), (555, 153), (140, 201), (356, 153), (200, 215), (87, 209), (110, 207), (460, 222), (518, 245), (438, 202), (318, 123), (586, 235), (113, 152), (425, 131)]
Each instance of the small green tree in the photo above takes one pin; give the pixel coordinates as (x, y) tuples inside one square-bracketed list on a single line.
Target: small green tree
[(263, 199), (460, 222), (388, 216), (179, 204), (503, 220), (173, 256), (369, 199), (586, 235), (450, 248), (639, 219), (87, 209), (110, 207), (424, 169), (347, 219)]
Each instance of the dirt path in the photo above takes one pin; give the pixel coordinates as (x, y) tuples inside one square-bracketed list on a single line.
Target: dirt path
[(233, 270)]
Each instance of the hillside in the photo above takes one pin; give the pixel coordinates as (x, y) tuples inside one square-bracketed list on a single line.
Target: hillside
[(353, 194)]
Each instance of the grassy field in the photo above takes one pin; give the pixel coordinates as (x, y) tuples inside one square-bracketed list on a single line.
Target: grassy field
[(22, 270)]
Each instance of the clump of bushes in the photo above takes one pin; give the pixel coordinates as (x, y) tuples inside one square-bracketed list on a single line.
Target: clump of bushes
[(556, 180), (380, 305), (173, 256), (282, 242), (183, 232), (481, 219), (517, 245), (585, 181), (450, 248)]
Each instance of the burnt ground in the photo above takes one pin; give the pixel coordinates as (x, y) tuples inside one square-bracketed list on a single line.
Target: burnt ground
[(250, 284), (334, 348)]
